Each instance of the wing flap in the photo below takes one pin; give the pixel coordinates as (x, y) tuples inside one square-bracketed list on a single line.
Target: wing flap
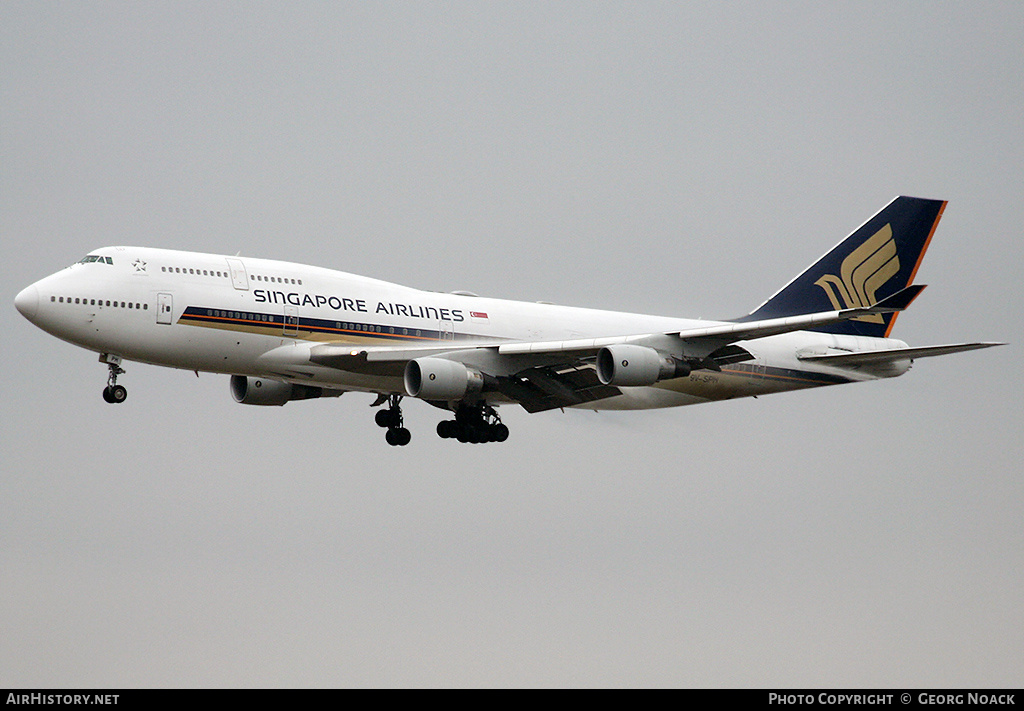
[(551, 387)]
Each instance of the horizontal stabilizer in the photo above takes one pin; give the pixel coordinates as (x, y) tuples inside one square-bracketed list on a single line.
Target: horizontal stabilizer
[(891, 355), (900, 301)]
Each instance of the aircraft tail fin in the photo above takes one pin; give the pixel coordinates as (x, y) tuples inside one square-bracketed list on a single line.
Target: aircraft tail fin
[(878, 259)]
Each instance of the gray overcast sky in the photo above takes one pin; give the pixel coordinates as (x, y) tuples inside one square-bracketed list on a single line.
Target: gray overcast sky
[(670, 158)]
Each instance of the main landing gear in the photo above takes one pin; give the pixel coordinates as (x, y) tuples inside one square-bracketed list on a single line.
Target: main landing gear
[(114, 394), (397, 435), (476, 424)]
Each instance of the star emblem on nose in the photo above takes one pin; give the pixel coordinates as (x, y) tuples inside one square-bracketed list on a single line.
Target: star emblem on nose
[(140, 266)]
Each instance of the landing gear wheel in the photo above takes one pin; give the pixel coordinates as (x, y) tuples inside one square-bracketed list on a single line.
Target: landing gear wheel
[(398, 436), (473, 424), (114, 394), (387, 418)]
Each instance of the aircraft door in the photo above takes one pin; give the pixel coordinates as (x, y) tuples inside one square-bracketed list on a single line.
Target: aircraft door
[(291, 321), (446, 330), (239, 278), (164, 308), (758, 369)]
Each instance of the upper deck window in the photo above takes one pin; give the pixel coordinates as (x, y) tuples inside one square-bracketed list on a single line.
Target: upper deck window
[(95, 258)]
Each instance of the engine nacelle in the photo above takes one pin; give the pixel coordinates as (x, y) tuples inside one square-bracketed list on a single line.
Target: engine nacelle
[(627, 365), (441, 379), (264, 391)]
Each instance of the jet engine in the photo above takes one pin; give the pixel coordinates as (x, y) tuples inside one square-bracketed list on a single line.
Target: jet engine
[(441, 379), (263, 391), (625, 364)]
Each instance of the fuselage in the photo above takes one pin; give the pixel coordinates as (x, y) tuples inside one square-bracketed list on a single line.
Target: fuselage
[(222, 314)]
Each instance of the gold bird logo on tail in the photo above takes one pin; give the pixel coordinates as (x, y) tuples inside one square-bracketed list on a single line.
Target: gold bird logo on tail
[(863, 272)]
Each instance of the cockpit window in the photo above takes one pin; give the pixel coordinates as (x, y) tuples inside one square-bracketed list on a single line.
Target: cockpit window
[(95, 258)]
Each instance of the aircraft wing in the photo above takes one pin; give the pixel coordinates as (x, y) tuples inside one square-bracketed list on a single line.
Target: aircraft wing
[(537, 382), (543, 375), (889, 356)]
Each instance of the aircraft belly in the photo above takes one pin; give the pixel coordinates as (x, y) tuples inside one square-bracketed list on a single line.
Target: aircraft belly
[(649, 398), (708, 386)]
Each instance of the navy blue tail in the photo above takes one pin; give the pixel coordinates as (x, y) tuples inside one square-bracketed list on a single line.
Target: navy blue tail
[(877, 260)]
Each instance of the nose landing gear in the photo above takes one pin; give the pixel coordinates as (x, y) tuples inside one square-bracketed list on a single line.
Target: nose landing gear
[(114, 394), (397, 435)]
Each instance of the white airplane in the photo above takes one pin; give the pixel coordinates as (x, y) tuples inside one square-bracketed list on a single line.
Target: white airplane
[(286, 331)]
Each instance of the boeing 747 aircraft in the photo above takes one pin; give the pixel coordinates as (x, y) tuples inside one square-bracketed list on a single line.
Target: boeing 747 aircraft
[(286, 331)]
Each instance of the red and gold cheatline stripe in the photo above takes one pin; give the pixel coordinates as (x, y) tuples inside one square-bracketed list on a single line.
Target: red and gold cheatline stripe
[(280, 325)]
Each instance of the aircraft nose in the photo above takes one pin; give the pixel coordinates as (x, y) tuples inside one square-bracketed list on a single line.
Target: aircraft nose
[(27, 302)]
